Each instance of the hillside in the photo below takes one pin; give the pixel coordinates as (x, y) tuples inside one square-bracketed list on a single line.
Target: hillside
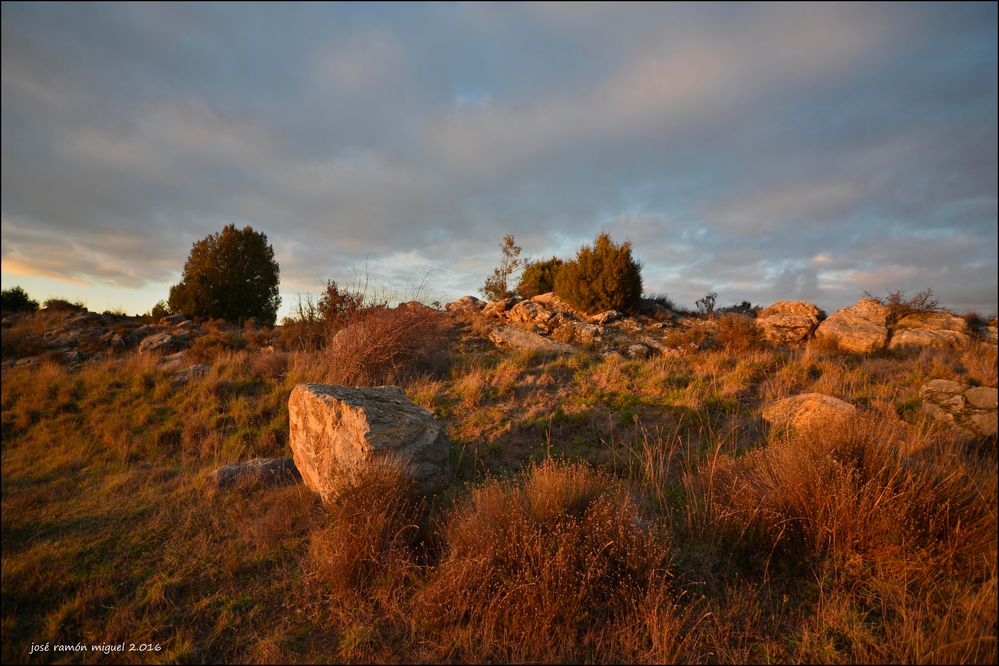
[(623, 489)]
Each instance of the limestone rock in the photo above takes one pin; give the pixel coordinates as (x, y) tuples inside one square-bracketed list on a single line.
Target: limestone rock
[(861, 328), (337, 431), (465, 304), (969, 409), (930, 329), (789, 322), (569, 330), (160, 342), (497, 308), (174, 319), (605, 317), (982, 397), (808, 411), (508, 335), (556, 304), (182, 377), (529, 312), (268, 471)]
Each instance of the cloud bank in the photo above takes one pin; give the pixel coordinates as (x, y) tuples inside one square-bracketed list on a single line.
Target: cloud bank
[(761, 151)]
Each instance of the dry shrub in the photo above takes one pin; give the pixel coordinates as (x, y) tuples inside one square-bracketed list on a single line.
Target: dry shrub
[(981, 361), (871, 488), (269, 365), (366, 549), (739, 333), (899, 305), (544, 568), (382, 346), (217, 336)]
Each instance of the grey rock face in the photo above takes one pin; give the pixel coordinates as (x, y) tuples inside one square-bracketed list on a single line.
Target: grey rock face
[(337, 431), (268, 471)]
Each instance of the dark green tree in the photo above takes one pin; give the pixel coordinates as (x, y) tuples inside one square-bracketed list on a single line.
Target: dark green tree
[(538, 277), (602, 277), (16, 299), (229, 275)]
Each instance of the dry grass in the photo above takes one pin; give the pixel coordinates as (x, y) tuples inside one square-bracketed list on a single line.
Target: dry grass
[(676, 529), (542, 569)]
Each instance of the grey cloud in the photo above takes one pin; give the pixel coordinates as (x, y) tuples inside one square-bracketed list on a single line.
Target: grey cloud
[(731, 144)]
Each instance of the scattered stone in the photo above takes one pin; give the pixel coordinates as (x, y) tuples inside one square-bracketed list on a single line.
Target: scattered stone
[(160, 342), (808, 411), (861, 328), (569, 330), (971, 410), (137, 335), (173, 361), (268, 471), (508, 335), (171, 320), (982, 397), (465, 303), (556, 304), (182, 377), (337, 431), (637, 351), (497, 308), (531, 313), (789, 322), (605, 317)]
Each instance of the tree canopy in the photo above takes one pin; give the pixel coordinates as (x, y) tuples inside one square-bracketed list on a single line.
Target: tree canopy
[(229, 275)]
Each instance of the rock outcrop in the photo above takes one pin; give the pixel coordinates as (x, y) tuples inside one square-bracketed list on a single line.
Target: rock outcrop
[(971, 410), (930, 329), (337, 431), (789, 322), (808, 411), (861, 328), (508, 335), (465, 304)]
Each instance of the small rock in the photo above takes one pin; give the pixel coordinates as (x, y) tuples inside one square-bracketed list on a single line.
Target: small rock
[(605, 317), (497, 308), (182, 377), (465, 303), (160, 342), (982, 397), (508, 335), (176, 318), (637, 351), (173, 361), (268, 471), (808, 411)]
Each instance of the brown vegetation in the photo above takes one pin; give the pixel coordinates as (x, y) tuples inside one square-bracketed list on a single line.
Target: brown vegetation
[(603, 509)]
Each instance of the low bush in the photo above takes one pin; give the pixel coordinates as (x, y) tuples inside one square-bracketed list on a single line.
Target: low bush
[(738, 332), (602, 277), (16, 299), (544, 568), (383, 345), (539, 277)]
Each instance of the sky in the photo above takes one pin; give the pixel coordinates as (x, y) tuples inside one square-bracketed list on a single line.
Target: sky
[(762, 151)]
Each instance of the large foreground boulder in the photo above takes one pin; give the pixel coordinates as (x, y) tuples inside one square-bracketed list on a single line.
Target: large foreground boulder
[(789, 322), (338, 431), (861, 328), (808, 411)]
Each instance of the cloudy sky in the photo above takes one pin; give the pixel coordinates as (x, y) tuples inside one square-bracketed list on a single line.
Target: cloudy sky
[(761, 151)]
